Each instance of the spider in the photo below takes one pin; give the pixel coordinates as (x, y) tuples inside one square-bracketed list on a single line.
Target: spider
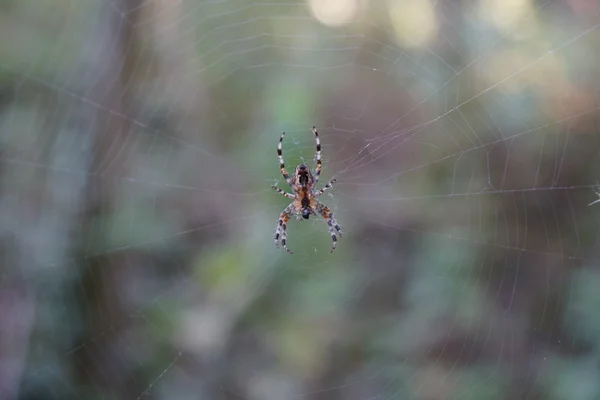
[(305, 197)]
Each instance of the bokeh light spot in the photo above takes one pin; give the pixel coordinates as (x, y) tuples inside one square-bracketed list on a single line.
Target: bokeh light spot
[(514, 18), (334, 12), (413, 21)]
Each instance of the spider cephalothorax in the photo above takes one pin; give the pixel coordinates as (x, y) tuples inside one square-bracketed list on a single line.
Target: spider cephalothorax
[(305, 196), (302, 177)]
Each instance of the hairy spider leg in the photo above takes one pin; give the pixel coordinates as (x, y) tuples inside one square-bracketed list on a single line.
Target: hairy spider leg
[(319, 163), (331, 223), (283, 193), (282, 227), (325, 188), (285, 174), (597, 194)]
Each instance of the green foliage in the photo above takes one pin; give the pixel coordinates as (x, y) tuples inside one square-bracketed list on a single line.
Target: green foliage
[(571, 379), (489, 382), (582, 317)]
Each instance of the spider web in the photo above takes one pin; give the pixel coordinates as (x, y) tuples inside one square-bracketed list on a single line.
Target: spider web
[(138, 152)]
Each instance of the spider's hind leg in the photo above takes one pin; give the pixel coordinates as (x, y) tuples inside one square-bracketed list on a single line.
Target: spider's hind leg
[(281, 230), (334, 228)]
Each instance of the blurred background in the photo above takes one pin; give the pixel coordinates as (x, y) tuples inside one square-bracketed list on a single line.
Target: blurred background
[(138, 149)]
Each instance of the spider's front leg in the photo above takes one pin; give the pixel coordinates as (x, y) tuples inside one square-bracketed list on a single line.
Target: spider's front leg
[(281, 229), (285, 174), (332, 224), (319, 162)]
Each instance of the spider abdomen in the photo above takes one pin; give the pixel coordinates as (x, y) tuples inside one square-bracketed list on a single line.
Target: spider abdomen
[(305, 202)]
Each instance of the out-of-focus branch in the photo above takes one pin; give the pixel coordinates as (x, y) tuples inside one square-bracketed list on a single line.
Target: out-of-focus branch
[(114, 39)]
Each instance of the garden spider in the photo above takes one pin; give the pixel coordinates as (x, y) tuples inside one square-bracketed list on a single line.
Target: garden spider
[(305, 197)]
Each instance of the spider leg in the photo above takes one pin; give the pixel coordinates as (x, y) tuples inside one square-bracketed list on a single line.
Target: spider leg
[(325, 188), (281, 230), (597, 192), (332, 224), (319, 164), (281, 192), (285, 174)]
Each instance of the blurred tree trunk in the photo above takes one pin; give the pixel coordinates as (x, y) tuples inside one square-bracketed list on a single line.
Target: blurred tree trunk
[(40, 209), (113, 40), (109, 275)]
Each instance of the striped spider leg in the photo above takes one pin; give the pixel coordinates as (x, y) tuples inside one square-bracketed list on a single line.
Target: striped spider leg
[(334, 228), (281, 230), (597, 194), (325, 188), (319, 163), (320, 166), (285, 174)]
